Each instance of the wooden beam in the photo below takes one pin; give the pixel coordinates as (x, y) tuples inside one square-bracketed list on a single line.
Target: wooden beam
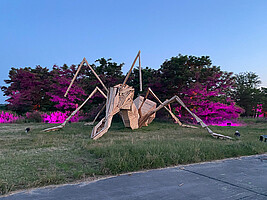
[(139, 109), (126, 78), (99, 113), (96, 75), (75, 111), (173, 115), (79, 68), (140, 75), (146, 116)]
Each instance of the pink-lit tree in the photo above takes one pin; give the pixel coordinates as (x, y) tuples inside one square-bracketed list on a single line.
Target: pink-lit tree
[(204, 88), (206, 105), (27, 89), (61, 79)]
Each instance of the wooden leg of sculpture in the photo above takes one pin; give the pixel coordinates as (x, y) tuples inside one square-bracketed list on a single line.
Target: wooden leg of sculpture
[(128, 74), (176, 98), (139, 109), (75, 111), (169, 111), (111, 109), (201, 122), (101, 110), (143, 119)]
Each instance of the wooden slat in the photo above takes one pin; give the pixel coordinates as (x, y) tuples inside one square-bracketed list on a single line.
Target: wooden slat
[(96, 75), (201, 122), (140, 75), (146, 116), (128, 74), (173, 115), (99, 113), (139, 109), (101, 92), (79, 68), (75, 111)]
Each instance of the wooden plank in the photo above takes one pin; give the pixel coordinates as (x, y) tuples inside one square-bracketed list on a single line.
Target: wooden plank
[(99, 113), (104, 95), (140, 75), (128, 74), (96, 75), (139, 109), (111, 109), (146, 116), (110, 93), (173, 116), (72, 81), (74, 112), (201, 122)]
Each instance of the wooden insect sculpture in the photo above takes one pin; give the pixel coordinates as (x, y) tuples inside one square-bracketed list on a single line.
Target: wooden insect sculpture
[(135, 113)]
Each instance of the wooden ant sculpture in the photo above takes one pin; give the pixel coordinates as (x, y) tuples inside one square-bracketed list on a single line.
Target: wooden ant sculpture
[(135, 113)]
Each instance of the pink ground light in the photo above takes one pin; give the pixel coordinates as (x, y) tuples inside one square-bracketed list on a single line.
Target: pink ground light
[(59, 117), (226, 123)]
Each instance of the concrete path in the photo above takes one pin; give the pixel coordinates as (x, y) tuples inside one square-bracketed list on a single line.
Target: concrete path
[(241, 178)]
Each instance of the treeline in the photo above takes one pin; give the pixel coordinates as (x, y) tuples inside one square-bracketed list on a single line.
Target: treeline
[(205, 88)]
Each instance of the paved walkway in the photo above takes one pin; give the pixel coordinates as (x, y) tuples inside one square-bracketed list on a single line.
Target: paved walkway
[(242, 178)]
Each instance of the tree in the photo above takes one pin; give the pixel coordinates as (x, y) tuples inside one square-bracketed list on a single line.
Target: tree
[(246, 93), (263, 98), (150, 78), (40, 89), (27, 89), (210, 105), (204, 88), (62, 77), (179, 72)]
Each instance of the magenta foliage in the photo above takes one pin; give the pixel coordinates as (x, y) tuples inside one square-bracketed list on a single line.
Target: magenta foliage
[(205, 104), (59, 117), (23, 98), (226, 123), (7, 117), (62, 78), (259, 110)]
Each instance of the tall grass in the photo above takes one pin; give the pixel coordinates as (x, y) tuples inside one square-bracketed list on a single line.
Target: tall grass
[(38, 158)]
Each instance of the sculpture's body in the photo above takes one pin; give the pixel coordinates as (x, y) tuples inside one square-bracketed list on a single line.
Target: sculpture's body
[(135, 113), (120, 100)]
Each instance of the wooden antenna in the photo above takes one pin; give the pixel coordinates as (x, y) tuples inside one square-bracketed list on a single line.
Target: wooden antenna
[(125, 80), (140, 74)]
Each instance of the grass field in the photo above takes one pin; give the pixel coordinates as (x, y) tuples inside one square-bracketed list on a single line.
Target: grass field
[(38, 158)]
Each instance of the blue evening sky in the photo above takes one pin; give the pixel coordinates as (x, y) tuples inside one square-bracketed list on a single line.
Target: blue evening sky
[(47, 32)]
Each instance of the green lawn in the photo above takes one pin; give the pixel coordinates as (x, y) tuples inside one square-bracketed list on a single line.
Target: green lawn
[(38, 158)]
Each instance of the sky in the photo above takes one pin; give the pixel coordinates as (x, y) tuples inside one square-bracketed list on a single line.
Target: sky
[(47, 32)]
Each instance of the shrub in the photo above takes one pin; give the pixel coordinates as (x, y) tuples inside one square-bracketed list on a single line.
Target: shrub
[(34, 116), (8, 117), (59, 117)]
